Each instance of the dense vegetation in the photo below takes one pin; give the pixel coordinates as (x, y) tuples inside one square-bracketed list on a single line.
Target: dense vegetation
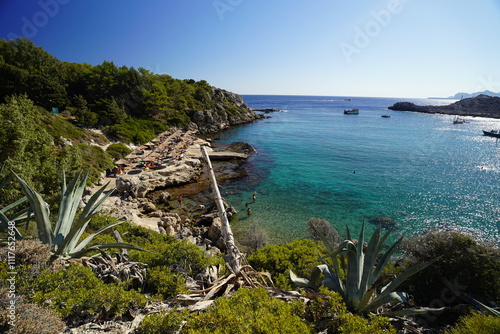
[(31, 146), (102, 95)]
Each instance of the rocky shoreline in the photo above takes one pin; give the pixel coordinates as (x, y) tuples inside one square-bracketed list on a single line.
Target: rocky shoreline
[(479, 106), (176, 199)]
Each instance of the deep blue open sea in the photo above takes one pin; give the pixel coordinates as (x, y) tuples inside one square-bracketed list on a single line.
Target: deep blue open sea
[(421, 170)]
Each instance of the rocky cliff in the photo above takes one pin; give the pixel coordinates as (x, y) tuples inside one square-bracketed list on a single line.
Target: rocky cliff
[(482, 105), (226, 109)]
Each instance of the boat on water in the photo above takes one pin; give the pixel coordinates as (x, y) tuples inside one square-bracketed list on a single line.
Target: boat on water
[(492, 133), (351, 111), (458, 120), (385, 116), (347, 99)]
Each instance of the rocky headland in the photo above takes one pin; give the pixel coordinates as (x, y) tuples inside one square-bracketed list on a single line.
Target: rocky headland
[(479, 106), (228, 110)]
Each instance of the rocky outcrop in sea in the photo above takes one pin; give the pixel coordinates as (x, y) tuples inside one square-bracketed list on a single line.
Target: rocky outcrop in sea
[(479, 106)]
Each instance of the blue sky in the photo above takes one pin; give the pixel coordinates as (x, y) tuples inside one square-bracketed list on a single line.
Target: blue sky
[(391, 48)]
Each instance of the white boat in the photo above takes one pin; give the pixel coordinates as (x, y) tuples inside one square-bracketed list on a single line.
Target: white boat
[(351, 111)]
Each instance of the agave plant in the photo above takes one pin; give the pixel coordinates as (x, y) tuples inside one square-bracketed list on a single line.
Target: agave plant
[(16, 217), (65, 236), (362, 270)]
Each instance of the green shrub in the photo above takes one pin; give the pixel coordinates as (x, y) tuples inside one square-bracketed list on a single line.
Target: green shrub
[(477, 323), (250, 311), (163, 323), (30, 319), (137, 131), (118, 150), (169, 260), (300, 256), (329, 313), (75, 291), (469, 265), (163, 281)]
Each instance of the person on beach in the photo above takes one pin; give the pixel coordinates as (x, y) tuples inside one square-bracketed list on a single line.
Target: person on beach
[(180, 201)]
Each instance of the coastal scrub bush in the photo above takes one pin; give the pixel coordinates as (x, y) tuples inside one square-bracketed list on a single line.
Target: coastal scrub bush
[(301, 256), (163, 281), (29, 318), (476, 323), (250, 311), (164, 322), (118, 150), (328, 312), (321, 228), (468, 265), (135, 130), (76, 292), (169, 260)]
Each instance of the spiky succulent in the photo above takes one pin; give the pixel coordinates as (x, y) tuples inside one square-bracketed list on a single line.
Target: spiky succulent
[(362, 269), (64, 238)]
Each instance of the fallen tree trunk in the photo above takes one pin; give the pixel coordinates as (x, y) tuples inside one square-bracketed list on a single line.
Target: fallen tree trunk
[(234, 257)]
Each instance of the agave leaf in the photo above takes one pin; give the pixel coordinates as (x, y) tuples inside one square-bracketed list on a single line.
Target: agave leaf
[(401, 278), (13, 205), (64, 248), (366, 299), (335, 274), (21, 215), (396, 297), (94, 203), (412, 311), (347, 232), (488, 309), (41, 212), (352, 278), (4, 221), (119, 245), (315, 274), (85, 241), (383, 261), (361, 261), (70, 200), (370, 259), (302, 282)]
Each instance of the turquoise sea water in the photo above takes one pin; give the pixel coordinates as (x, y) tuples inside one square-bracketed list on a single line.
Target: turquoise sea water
[(419, 169)]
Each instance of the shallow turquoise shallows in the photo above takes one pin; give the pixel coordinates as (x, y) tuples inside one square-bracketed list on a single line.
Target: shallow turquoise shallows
[(421, 170)]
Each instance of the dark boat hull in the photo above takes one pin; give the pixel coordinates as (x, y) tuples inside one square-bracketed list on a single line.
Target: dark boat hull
[(491, 134)]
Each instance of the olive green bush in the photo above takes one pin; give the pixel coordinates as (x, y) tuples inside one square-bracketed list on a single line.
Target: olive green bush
[(169, 260), (247, 311), (167, 322), (301, 256), (329, 314), (476, 323), (29, 318), (76, 292), (468, 265), (118, 150)]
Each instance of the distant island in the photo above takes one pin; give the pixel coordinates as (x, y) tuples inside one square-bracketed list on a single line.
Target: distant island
[(479, 106), (462, 95)]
